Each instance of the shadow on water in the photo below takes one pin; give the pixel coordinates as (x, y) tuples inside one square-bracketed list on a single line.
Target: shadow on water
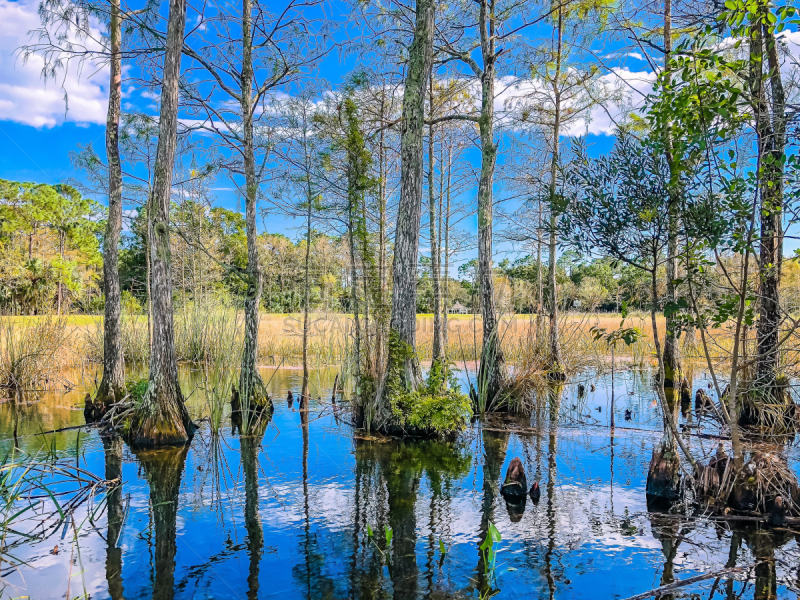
[(301, 509)]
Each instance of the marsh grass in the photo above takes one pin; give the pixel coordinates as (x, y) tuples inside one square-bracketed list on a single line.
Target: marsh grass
[(206, 330), (220, 367), (33, 353)]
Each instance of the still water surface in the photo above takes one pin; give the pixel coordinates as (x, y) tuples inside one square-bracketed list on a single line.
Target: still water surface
[(287, 514)]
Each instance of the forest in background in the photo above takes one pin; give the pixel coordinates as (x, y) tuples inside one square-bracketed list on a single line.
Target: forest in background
[(50, 261)]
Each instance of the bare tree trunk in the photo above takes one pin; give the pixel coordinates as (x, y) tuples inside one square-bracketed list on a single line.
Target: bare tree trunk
[(251, 387), (490, 372), (367, 268), (381, 309), (446, 228), (307, 291), (113, 358), (771, 134), (164, 419), (60, 275), (149, 291), (437, 317), (406, 247), (351, 234), (672, 363), (539, 279), (556, 368), (663, 475)]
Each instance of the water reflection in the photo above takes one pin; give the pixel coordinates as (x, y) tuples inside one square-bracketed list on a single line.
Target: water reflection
[(112, 447), (495, 448), (163, 469), (554, 397), (250, 445), (307, 493)]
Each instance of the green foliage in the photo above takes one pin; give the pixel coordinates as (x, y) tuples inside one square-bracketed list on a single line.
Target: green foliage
[(136, 389), (49, 235), (488, 550), (437, 407), (388, 534), (444, 413), (628, 335), (616, 203)]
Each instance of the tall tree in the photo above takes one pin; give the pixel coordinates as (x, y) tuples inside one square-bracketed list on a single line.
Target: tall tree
[(406, 244), (113, 380), (768, 102), (249, 55), (299, 150), (67, 34), (163, 415), (672, 362), (495, 30), (438, 349)]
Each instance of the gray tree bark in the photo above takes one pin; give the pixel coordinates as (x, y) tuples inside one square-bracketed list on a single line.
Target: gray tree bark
[(113, 379), (307, 283), (672, 361), (771, 136), (406, 245), (164, 419), (435, 272), (251, 387), (446, 228), (555, 368), (490, 372)]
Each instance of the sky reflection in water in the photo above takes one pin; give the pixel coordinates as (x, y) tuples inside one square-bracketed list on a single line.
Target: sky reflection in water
[(286, 514)]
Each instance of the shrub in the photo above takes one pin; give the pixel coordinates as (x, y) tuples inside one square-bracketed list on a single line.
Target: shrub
[(436, 408)]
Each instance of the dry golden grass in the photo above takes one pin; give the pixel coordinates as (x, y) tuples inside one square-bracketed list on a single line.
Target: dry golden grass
[(199, 331)]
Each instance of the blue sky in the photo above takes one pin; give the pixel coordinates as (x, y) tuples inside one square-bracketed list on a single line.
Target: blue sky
[(37, 134)]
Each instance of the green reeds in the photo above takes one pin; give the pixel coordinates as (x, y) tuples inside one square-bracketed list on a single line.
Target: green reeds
[(219, 331)]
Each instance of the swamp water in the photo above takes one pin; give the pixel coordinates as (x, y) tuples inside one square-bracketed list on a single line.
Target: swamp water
[(288, 513)]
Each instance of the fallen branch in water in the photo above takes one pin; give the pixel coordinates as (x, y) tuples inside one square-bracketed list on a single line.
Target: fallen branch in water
[(666, 589), (60, 429)]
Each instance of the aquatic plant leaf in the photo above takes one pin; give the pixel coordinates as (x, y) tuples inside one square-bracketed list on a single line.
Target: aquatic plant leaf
[(389, 534)]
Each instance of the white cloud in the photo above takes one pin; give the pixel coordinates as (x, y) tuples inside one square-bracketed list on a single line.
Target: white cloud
[(25, 97), (635, 55)]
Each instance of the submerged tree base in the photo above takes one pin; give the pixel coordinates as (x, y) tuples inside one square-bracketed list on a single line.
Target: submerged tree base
[(434, 408), (664, 476), (160, 418), (765, 485), (771, 410), (258, 410)]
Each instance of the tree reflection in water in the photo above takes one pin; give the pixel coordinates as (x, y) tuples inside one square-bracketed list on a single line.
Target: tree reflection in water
[(495, 447), (554, 395), (388, 479), (112, 447), (311, 573), (163, 468), (762, 544), (250, 445)]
